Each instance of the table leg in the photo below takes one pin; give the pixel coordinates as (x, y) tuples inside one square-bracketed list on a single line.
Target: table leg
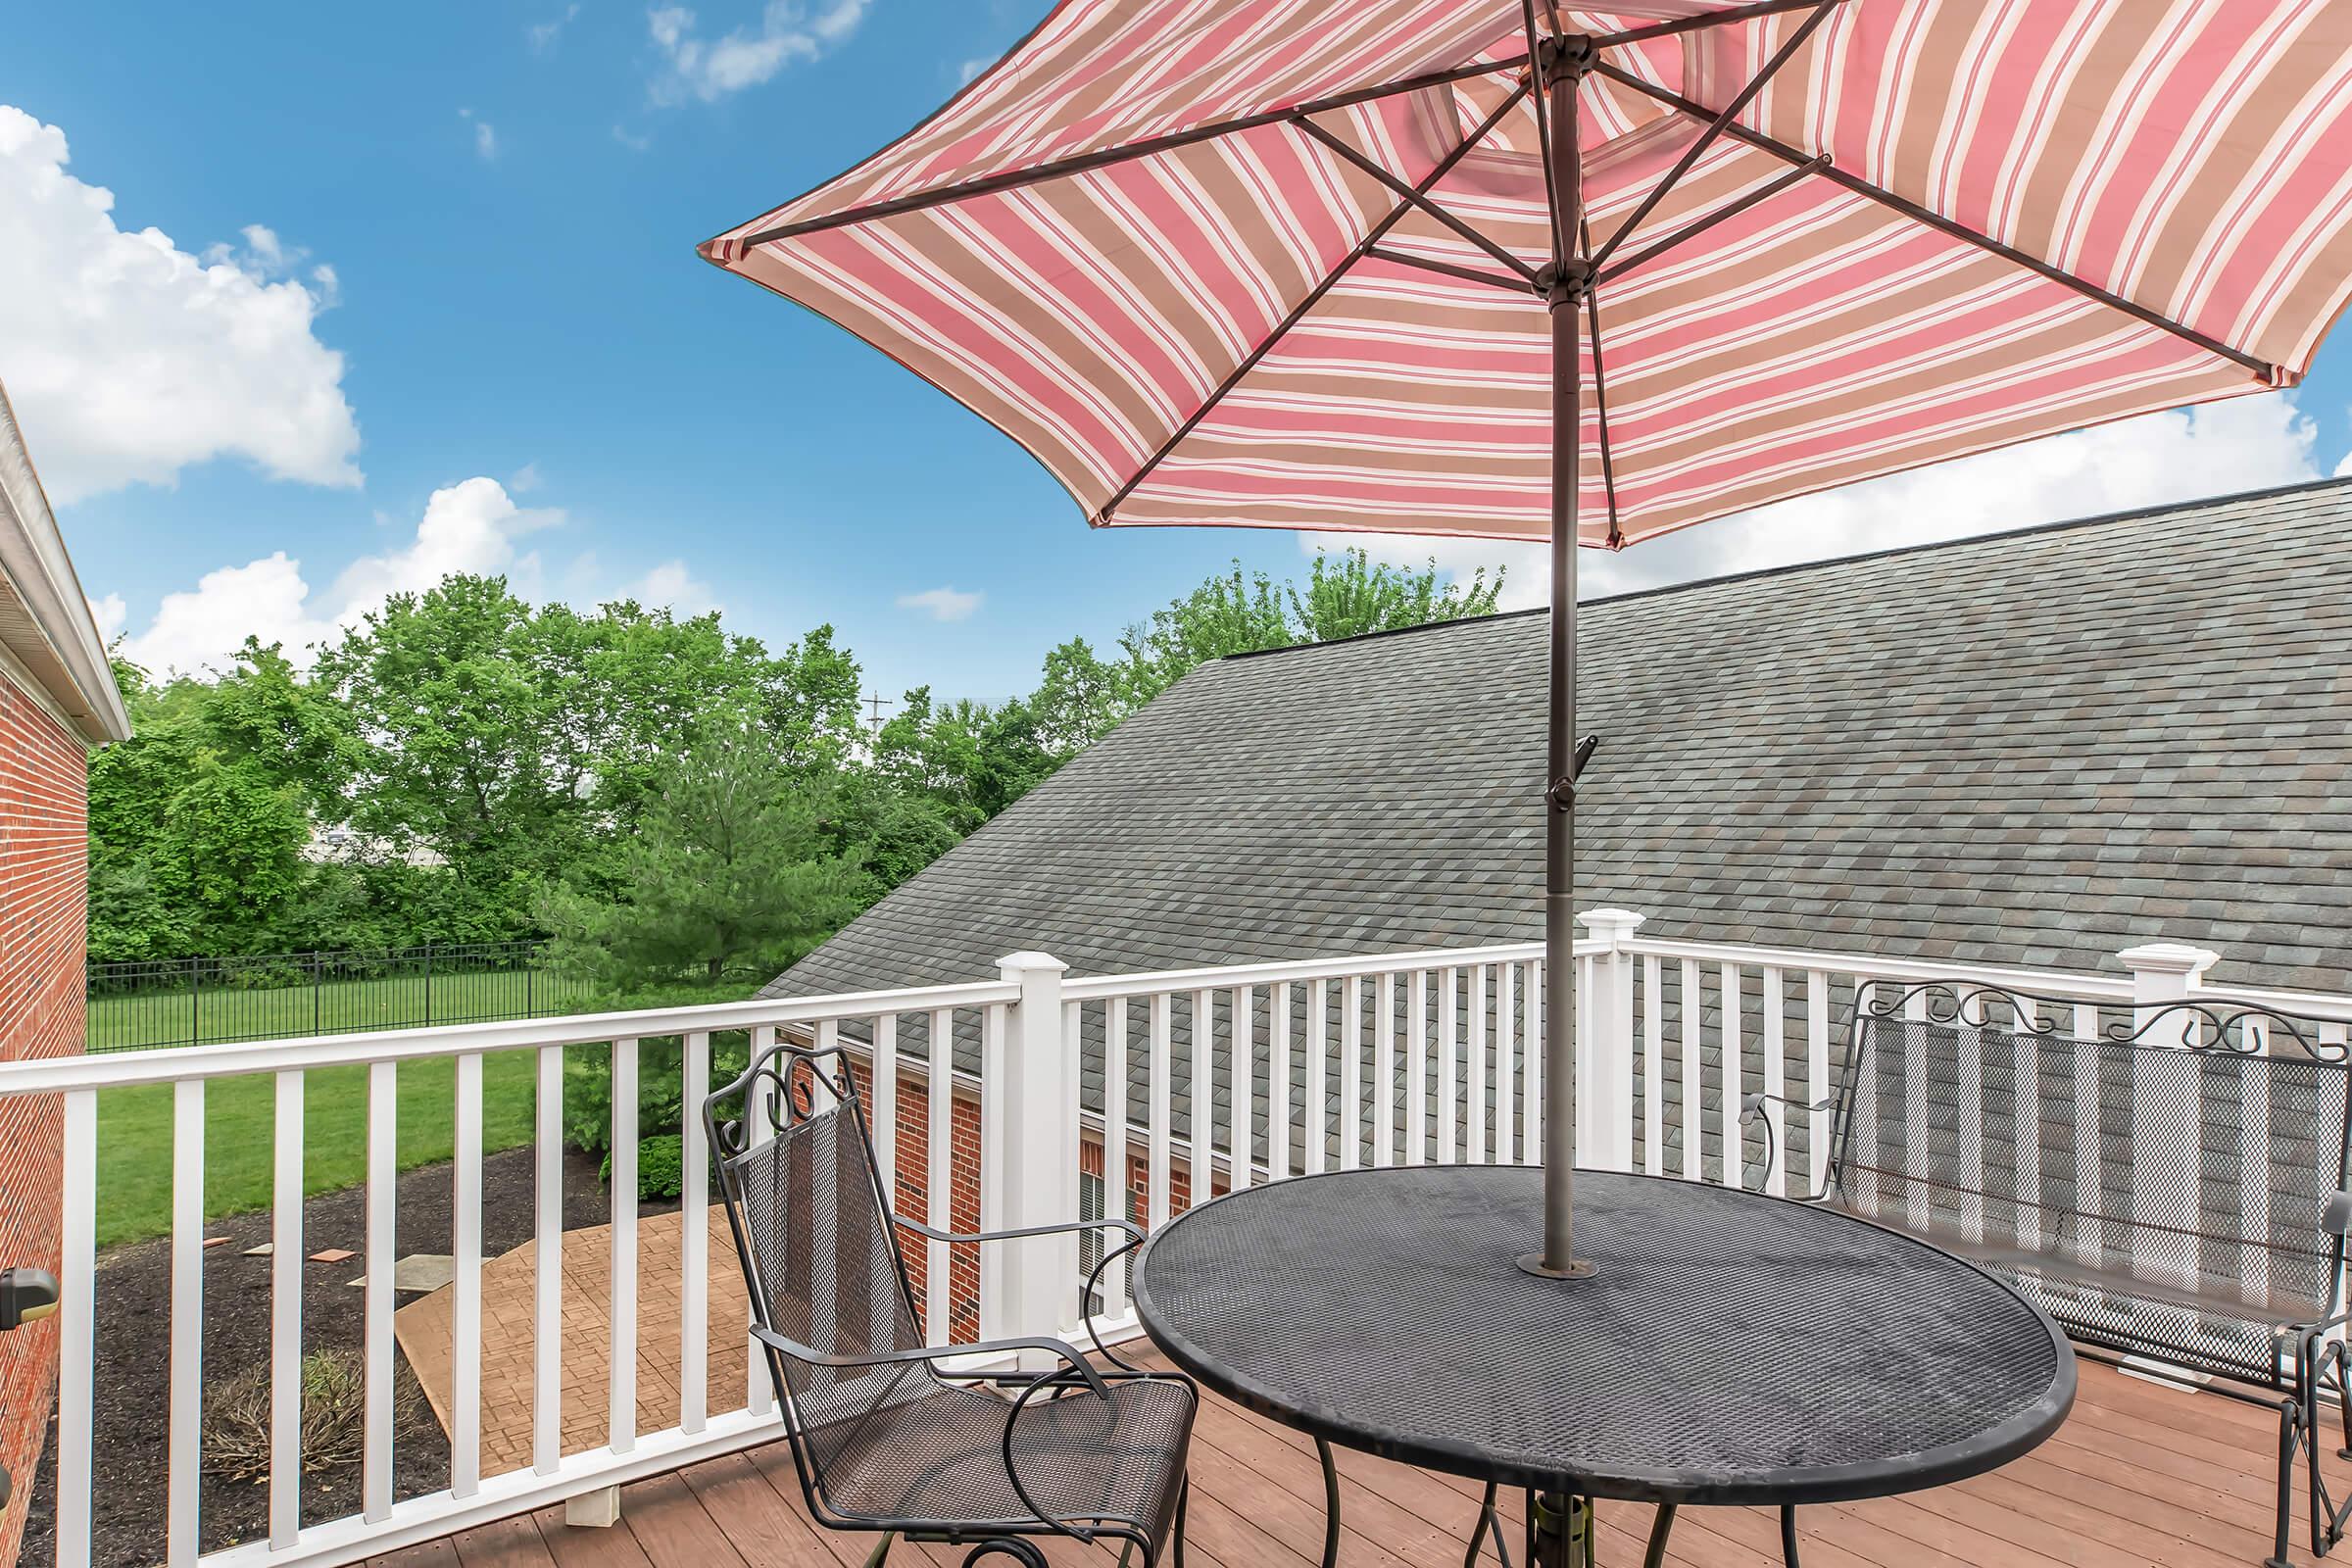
[(1789, 1536), (1488, 1519), (1660, 1527), (1331, 1506)]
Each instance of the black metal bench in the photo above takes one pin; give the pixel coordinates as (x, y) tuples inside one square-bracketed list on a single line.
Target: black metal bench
[(2169, 1186)]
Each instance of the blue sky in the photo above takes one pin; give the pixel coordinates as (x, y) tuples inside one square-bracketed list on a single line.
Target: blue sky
[(424, 295)]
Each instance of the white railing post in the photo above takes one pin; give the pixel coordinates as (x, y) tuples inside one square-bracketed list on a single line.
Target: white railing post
[(2166, 1182), (1036, 1085), (1604, 1051)]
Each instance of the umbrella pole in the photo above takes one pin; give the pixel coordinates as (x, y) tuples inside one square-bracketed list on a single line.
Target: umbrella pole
[(1562, 63)]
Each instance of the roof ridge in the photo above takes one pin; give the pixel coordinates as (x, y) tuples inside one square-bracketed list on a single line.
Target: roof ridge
[(2161, 509)]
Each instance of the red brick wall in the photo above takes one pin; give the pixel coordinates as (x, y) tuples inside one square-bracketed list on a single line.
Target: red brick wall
[(44, 824)]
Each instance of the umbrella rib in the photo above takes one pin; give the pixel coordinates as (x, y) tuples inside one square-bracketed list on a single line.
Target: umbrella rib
[(1716, 127), (1418, 198), (1104, 157), (1693, 24), (1468, 275), (1600, 400), (2274, 374), (1698, 226), (1297, 313), (1552, 183)]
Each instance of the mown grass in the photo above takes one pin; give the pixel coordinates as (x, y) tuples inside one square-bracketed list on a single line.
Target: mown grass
[(197, 1016), (134, 1136)]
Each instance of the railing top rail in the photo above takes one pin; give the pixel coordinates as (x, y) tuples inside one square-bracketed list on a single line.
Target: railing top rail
[(1878, 967), (174, 1063), (1225, 977)]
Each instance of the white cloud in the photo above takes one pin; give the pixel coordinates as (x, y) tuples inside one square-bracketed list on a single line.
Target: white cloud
[(631, 140), (2242, 444), (525, 479), (708, 70), (543, 34), (130, 358), (110, 613), (974, 66), (941, 603), (672, 585), (485, 135), (468, 527)]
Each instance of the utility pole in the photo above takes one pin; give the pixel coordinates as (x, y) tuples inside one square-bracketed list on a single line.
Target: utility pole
[(877, 701)]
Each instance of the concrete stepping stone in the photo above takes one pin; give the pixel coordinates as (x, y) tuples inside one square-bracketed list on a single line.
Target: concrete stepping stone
[(419, 1272)]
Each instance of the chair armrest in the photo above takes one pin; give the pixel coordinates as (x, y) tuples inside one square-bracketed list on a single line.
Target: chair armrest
[(1071, 1525), (1078, 1364), (1751, 1109)]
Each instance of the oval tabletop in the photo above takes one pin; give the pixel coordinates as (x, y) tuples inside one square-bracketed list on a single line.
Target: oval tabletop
[(1730, 1348)]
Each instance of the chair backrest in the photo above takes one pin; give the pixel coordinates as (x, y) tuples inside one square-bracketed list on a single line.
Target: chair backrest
[(819, 1253), (2185, 1153)]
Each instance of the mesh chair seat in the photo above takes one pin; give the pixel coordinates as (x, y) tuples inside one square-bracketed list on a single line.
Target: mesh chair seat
[(2215, 1325), (942, 1456)]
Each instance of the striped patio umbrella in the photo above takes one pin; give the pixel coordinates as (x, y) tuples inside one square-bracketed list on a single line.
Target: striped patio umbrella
[(1503, 269)]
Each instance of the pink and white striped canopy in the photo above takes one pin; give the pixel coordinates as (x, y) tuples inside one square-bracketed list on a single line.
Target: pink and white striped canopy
[(2014, 216)]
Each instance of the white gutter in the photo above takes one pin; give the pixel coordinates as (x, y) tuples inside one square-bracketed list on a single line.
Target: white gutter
[(49, 631)]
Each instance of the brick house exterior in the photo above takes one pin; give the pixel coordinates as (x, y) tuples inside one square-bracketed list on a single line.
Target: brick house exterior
[(57, 701)]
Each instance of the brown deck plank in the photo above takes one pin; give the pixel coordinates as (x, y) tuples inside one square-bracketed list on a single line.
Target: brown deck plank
[(2141, 1476)]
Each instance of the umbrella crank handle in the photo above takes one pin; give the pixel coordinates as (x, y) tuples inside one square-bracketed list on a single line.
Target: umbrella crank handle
[(1562, 793)]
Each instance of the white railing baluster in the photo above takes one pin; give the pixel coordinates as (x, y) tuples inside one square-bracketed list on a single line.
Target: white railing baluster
[(1448, 1065), (547, 1267), (465, 1284), (2027, 1065), (882, 1100), (1775, 1080), (384, 1130), (938, 1176), (1818, 1087), (1115, 1180), (1695, 1095), (1242, 1003), (996, 1025), (1384, 1070), (1351, 1072), (1159, 1084), (1278, 1084), (1654, 1055), (1507, 1065), (1475, 1138), (694, 1236), (1968, 1047), (285, 1313), (77, 1328), (1530, 1065), (621, 1369), (1201, 1122), (185, 1379), (1416, 1069), (1318, 1083), (1735, 1088), (2090, 1241)]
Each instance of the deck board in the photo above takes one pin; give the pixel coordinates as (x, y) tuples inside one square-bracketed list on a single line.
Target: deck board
[(2140, 1475)]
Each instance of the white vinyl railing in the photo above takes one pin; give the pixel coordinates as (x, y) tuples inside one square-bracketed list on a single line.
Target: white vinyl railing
[(1171, 1086)]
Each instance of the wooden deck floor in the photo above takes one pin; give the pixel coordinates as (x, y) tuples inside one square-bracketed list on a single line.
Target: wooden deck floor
[(2138, 1475)]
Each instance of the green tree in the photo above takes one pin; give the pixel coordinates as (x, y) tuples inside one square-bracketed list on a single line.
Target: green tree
[(729, 874)]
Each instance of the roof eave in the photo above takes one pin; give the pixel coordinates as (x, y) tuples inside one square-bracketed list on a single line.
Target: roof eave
[(56, 639)]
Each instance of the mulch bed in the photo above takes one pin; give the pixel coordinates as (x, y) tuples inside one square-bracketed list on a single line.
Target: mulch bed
[(129, 1449)]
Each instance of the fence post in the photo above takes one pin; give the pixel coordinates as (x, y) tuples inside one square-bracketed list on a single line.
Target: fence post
[(428, 984), (318, 1016), (2166, 1190), (1034, 1080), (196, 1003), (1605, 1054)]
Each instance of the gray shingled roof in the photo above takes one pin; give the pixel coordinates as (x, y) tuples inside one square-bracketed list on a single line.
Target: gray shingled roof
[(2036, 748)]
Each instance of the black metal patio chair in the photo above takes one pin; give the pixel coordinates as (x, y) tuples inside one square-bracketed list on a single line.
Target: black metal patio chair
[(2169, 1186), (886, 1437)]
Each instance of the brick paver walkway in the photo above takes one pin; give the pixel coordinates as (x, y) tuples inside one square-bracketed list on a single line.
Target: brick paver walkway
[(423, 1330)]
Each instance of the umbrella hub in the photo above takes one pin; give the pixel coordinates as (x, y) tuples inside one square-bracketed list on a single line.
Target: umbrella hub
[(1564, 282), (1565, 58)]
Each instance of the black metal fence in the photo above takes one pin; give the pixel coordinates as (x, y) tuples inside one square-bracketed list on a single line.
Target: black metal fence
[(279, 996)]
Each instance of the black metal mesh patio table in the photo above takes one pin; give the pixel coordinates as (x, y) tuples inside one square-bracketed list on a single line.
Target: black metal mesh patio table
[(1730, 1349)]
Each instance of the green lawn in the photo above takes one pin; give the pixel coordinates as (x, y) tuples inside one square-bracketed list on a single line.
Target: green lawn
[(134, 1136), (339, 1006)]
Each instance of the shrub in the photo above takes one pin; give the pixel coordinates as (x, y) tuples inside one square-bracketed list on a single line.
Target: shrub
[(660, 1161), (334, 1416)]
